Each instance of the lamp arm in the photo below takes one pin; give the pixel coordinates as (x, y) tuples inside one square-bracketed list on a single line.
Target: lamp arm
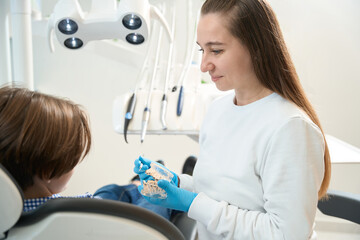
[(156, 14), (50, 30)]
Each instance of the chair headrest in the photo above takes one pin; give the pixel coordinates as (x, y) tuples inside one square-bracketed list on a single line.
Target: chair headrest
[(107, 218), (11, 201)]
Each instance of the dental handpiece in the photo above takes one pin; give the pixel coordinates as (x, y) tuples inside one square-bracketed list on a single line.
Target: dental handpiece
[(144, 124), (163, 111), (180, 102), (129, 114)]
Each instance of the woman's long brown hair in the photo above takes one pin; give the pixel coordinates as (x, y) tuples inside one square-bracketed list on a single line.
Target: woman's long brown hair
[(254, 23)]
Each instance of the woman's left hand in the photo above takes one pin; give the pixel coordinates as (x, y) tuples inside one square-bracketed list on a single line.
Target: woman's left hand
[(177, 198)]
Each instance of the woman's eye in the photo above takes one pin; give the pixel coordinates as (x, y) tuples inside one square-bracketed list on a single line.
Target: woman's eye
[(216, 51)]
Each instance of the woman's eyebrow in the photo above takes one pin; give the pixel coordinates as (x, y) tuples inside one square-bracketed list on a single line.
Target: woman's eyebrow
[(212, 43)]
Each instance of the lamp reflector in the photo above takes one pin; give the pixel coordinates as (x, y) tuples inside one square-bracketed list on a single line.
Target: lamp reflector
[(135, 38), (132, 21), (67, 26), (73, 43)]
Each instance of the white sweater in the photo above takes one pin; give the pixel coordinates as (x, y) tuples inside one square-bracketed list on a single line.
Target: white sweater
[(258, 173)]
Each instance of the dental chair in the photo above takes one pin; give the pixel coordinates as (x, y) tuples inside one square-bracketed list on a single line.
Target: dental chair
[(81, 218), (341, 205)]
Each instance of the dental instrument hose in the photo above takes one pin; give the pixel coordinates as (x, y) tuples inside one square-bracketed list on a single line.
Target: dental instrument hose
[(188, 63), (132, 101), (164, 98), (146, 114)]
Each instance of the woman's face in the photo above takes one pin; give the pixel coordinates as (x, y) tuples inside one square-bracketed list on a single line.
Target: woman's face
[(226, 59)]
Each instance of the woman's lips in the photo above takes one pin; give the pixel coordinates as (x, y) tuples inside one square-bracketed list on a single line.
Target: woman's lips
[(215, 78)]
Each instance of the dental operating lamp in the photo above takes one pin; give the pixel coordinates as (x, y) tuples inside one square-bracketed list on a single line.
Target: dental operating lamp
[(128, 20)]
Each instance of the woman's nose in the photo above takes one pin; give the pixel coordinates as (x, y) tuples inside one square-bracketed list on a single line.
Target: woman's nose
[(206, 65)]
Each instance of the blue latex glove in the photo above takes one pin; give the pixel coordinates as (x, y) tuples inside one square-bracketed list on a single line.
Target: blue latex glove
[(146, 165), (140, 170), (177, 198)]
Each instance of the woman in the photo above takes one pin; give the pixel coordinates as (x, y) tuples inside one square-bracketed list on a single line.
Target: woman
[(264, 161)]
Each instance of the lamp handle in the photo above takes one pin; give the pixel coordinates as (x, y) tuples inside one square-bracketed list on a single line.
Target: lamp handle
[(103, 6)]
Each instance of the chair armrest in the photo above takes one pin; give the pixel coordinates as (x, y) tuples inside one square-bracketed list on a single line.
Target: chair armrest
[(186, 225), (343, 205)]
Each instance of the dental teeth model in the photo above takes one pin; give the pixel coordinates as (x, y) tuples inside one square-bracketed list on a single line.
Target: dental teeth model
[(151, 188)]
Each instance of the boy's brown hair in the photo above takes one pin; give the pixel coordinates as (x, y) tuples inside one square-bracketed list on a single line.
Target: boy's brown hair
[(40, 135)]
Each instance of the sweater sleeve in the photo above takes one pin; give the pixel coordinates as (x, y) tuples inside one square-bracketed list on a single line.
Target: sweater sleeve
[(291, 173), (186, 182)]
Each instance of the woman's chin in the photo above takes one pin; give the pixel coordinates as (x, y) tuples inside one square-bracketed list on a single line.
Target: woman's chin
[(221, 87)]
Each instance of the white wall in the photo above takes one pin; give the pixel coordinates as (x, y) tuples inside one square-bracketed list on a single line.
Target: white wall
[(323, 37)]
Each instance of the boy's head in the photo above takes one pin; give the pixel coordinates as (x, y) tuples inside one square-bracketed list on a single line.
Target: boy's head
[(40, 135)]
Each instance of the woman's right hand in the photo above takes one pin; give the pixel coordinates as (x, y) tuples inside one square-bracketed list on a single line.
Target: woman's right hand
[(141, 165)]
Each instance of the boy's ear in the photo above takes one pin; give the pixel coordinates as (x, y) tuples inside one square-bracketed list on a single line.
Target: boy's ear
[(45, 179)]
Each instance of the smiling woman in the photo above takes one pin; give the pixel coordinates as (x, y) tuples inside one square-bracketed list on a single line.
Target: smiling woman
[(271, 126), (264, 140)]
